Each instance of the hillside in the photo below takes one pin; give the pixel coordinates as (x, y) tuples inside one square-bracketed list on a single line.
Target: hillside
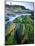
[(21, 29)]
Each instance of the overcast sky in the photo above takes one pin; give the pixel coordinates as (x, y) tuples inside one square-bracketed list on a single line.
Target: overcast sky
[(28, 5)]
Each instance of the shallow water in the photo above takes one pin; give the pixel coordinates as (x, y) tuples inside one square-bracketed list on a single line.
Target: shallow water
[(11, 18)]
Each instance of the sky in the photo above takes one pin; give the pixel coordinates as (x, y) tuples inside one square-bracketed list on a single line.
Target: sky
[(28, 5)]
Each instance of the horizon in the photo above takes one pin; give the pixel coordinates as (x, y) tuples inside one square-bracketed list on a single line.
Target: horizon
[(28, 5)]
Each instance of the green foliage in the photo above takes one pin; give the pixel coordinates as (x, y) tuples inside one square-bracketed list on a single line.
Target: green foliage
[(24, 32)]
